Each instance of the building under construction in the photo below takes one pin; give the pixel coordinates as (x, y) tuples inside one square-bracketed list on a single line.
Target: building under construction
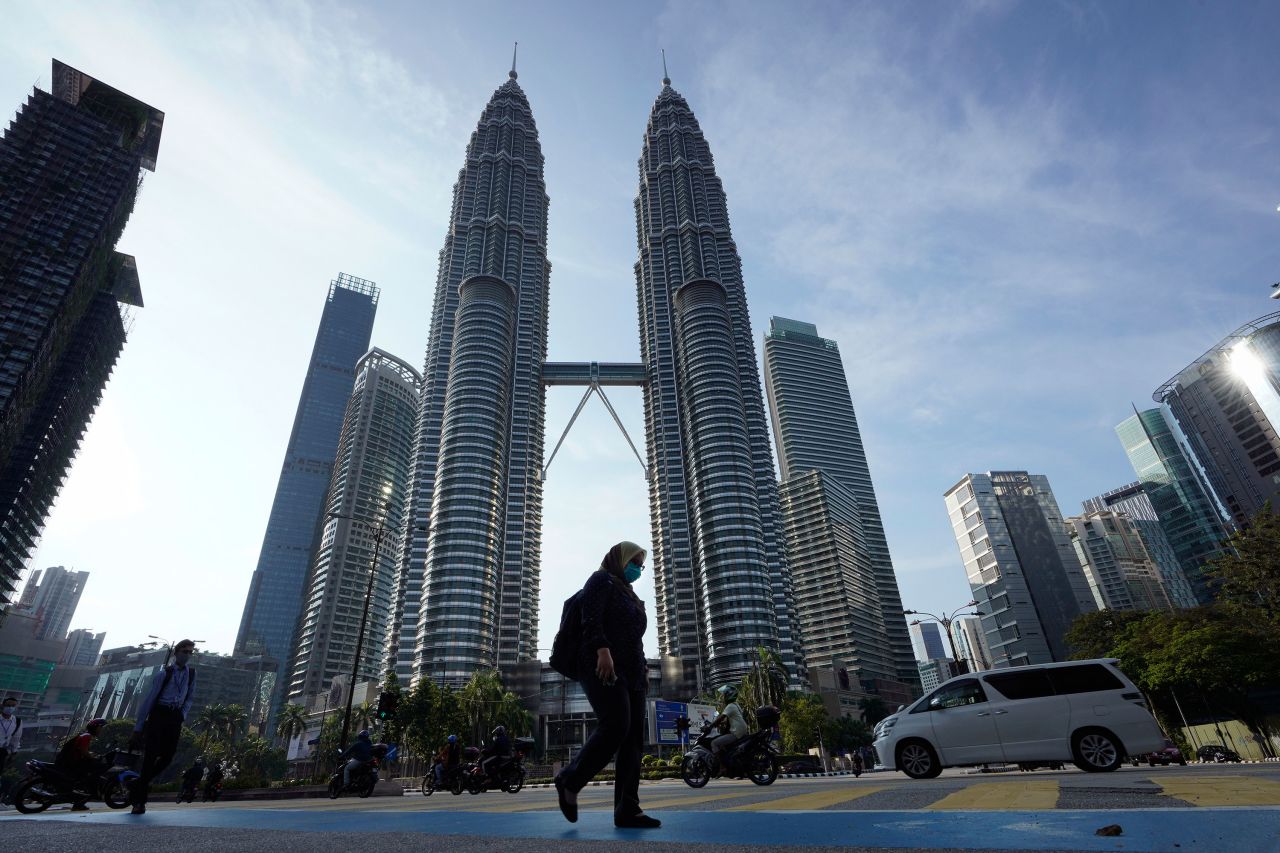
[(70, 168)]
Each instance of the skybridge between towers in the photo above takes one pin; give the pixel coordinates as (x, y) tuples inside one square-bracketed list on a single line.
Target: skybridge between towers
[(595, 376)]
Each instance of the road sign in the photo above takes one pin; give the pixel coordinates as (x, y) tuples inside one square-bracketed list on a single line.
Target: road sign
[(662, 721)]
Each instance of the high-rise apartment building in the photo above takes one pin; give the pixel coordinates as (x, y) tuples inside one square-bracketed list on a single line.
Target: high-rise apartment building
[(466, 594), (970, 642), (1132, 501), (723, 585), (1184, 504), (1121, 574), (1022, 569), (83, 647), (274, 602), (360, 531), (1227, 403), (70, 166), (846, 592), (926, 640), (51, 597)]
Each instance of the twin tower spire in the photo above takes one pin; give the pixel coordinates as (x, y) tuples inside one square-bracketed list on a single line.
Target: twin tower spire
[(469, 569)]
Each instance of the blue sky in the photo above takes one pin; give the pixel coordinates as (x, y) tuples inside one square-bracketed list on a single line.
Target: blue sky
[(1016, 220)]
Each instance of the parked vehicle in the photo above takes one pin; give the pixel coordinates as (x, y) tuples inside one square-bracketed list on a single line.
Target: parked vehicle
[(508, 775), (1086, 712), (1169, 754), (752, 757), (44, 785), (1217, 753)]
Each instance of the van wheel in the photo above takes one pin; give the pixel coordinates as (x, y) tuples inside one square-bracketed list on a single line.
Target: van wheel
[(1096, 751), (918, 760)]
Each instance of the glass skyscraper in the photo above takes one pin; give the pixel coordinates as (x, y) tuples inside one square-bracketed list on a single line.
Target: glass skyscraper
[(721, 577), (846, 592), (1121, 574), (364, 515), (1132, 500), (70, 166), (1228, 406), (274, 601), (1182, 500), (1022, 569), (466, 595)]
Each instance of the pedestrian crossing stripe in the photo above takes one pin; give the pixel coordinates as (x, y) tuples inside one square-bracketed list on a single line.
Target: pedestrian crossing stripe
[(1223, 790), (811, 801), (1031, 795)]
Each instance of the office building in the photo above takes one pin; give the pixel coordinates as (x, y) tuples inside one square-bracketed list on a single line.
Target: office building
[(360, 531), (70, 166), (1132, 501), (26, 662), (722, 582), (934, 672), (970, 642), (1022, 569), (1227, 405), (83, 647), (51, 597), (1193, 522), (270, 618), (466, 594), (926, 641), (846, 591), (1121, 574)]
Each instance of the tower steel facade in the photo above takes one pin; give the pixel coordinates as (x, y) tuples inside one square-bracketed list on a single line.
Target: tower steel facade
[(722, 582), (70, 169), (467, 588)]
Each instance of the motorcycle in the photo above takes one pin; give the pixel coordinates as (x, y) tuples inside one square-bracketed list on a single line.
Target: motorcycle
[(188, 792), (45, 785), (452, 781), (509, 772), (363, 779), (753, 757), (212, 790)]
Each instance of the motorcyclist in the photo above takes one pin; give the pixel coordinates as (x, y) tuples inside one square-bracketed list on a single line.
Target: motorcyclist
[(496, 753), (191, 778), (448, 759), (213, 780), (78, 765), (730, 721), (360, 753)]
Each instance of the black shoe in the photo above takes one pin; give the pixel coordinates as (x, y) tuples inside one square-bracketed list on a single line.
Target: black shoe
[(640, 821), (568, 809), (79, 807), (139, 809)]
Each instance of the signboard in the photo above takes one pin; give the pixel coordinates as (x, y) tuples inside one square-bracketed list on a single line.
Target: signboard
[(662, 721)]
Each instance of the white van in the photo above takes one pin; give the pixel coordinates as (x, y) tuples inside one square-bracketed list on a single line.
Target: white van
[(1087, 712)]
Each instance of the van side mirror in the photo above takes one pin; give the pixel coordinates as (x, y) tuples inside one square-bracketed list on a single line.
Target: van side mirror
[(901, 708), (935, 703)]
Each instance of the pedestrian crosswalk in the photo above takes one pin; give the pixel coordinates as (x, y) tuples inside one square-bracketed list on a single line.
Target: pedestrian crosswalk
[(954, 794)]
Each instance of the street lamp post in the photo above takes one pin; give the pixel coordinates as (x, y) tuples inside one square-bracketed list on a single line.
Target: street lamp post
[(380, 531), (946, 619)]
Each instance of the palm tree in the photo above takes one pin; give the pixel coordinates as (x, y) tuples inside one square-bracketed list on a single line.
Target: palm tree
[(292, 723), (234, 718), (873, 710), (211, 722), (361, 715), (766, 683)]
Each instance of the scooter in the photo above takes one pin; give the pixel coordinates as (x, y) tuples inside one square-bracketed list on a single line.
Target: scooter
[(45, 785), (753, 757)]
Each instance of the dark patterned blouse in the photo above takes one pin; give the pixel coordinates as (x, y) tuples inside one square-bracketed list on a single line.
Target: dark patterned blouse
[(613, 618)]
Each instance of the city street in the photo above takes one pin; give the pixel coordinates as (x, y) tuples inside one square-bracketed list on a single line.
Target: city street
[(1198, 808)]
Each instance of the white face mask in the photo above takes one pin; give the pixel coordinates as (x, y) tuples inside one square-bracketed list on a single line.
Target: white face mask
[(7, 710)]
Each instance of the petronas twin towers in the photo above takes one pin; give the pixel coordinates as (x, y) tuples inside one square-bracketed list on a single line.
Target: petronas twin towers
[(467, 590)]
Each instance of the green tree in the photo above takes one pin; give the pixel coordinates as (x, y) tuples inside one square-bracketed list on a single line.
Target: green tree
[(234, 720), (393, 729), (1247, 575), (487, 704), (292, 723), (803, 717), (764, 684), (428, 714), (211, 722), (1096, 634), (361, 715), (845, 734)]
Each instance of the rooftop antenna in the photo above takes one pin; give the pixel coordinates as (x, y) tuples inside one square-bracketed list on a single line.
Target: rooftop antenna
[(513, 75), (666, 78)]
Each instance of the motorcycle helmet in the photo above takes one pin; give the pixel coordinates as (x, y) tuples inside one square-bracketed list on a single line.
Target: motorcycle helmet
[(729, 693), (453, 738), (95, 725), (364, 735), (500, 730)]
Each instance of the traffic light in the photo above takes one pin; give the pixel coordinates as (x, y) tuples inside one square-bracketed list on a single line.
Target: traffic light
[(387, 705)]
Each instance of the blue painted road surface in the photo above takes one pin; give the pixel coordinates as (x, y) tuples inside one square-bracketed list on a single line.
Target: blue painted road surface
[(1218, 830)]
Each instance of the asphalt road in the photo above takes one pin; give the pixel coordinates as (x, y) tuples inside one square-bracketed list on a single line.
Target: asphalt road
[(1198, 808)]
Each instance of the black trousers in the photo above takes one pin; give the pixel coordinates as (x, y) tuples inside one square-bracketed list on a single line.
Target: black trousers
[(162, 730), (620, 733)]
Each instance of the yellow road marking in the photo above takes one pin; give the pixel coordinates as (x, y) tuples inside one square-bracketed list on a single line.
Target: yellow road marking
[(806, 802), (526, 806), (1222, 790), (686, 801), (1002, 796)]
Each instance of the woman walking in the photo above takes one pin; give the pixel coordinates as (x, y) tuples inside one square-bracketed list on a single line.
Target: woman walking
[(614, 677)]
